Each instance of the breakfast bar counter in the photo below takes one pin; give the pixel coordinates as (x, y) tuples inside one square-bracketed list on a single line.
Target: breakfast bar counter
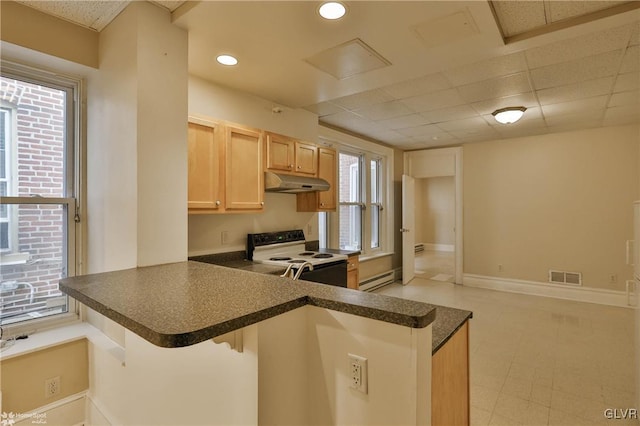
[(181, 304)]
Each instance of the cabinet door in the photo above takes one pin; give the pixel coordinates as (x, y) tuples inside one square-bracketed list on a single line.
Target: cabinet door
[(327, 171), (244, 169), (280, 152), (353, 266), (205, 171), (306, 158)]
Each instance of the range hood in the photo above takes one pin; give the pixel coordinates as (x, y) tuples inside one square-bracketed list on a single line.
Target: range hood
[(276, 182)]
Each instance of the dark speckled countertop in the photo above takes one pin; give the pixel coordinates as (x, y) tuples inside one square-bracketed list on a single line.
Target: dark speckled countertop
[(448, 320), (181, 304)]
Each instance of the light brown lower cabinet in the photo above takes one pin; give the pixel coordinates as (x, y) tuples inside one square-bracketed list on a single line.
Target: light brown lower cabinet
[(450, 381), (353, 278)]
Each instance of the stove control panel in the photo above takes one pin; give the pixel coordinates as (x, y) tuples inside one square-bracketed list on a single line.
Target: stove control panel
[(272, 238)]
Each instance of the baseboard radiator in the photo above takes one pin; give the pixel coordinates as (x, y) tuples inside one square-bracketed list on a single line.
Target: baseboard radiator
[(419, 248), (377, 281)]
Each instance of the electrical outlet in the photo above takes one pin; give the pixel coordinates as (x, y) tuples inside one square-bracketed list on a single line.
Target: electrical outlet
[(52, 387), (358, 373), (613, 278)]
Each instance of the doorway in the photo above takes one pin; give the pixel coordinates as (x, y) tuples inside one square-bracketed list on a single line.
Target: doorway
[(435, 228), (432, 215)]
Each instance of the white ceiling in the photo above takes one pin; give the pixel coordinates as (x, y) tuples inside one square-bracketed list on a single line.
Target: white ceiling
[(449, 64)]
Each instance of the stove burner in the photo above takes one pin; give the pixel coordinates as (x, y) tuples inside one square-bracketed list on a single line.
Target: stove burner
[(323, 255), (297, 261), (306, 253), (280, 258)]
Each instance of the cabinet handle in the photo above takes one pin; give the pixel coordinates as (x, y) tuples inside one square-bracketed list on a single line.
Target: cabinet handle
[(321, 204), (299, 167), (291, 166), (217, 202), (262, 203)]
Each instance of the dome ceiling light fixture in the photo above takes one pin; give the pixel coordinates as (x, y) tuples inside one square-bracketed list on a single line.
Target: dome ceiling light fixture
[(332, 10), (227, 60), (508, 115)]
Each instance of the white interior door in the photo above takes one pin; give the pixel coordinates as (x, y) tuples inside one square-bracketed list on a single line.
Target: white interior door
[(408, 229)]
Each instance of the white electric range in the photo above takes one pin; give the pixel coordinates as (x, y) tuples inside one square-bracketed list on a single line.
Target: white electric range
[(287, 249)]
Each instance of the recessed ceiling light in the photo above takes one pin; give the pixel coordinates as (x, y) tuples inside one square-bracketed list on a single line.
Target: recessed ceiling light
[(227, 60), (508, 115), (332, 10)]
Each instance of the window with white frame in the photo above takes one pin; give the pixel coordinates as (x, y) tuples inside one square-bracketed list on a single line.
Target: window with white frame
[(39, 185), (359, 223)]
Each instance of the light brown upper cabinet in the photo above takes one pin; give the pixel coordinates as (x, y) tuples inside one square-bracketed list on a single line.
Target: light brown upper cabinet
[(206, 189), (306, 158), (244, 173), (225, 168), (320, 201), (288, 155)]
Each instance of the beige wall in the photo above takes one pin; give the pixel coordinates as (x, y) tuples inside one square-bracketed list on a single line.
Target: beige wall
[(559, 201), (27, 27), (435, 210), (210, 100), (23, 377)]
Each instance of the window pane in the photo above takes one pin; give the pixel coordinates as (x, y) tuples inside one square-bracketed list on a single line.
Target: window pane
[(349, 178), (350, 227), (30, 275), (323, 229), (40, 130), (375, 181), (375, 226)]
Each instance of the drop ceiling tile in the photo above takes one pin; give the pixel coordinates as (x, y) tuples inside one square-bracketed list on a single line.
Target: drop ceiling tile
[(485, 70), (171, 5), (324, 108), (616, 116), (585, 117), (402, 122), (427, 84), (348, 59), (519, 17), (446, 29), (635, 35), (578, 47), (572, 107), (583, 89), (362, 99), (496, 88), (523, 132), (435, 100), (631, 60), (390, 136), (342, 119), (424, 130), (559, 10), (474, 123), (629, 81), (91, 14), (527, 100), (589, 68), (449, 114), (625, 98), (383, 111)]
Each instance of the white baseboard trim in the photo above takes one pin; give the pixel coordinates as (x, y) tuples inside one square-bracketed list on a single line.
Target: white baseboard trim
[(98, 414), (535, 288), (68, 410), (439, 247)]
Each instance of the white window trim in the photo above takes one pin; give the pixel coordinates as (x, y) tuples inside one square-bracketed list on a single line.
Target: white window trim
[(343, 142), (75, 151)]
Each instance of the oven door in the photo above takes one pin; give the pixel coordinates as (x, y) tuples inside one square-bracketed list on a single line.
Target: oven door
[(334, 273)]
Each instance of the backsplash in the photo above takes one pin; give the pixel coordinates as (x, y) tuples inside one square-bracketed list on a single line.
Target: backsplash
[(226, 233)]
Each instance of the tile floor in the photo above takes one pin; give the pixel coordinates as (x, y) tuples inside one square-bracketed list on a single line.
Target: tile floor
[(537, 360)]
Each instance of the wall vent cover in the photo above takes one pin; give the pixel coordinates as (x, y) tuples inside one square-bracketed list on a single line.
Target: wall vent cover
[(565, 277)]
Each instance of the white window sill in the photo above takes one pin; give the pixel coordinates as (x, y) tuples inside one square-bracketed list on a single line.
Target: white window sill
[(59, 336), (14, 259), (377, 255)]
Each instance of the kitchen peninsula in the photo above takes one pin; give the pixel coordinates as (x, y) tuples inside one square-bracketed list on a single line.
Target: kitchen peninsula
[(292, 348)]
